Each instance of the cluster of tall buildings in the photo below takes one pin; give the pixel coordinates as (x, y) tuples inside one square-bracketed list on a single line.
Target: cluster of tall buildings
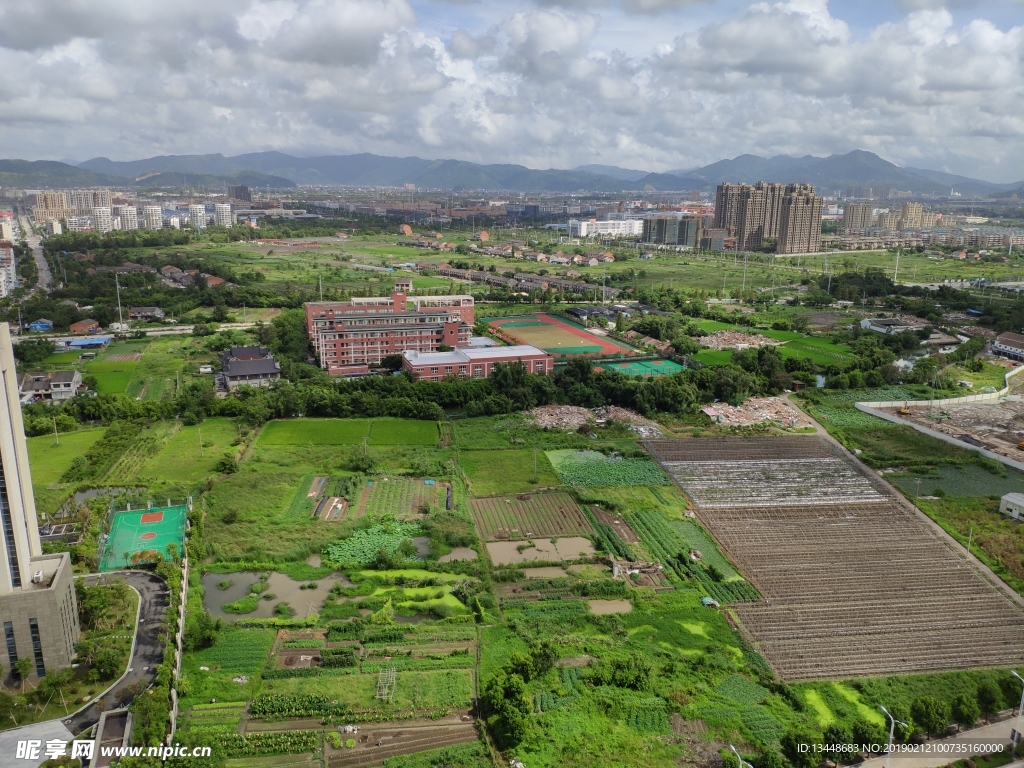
[(861, 216), (95, 210), (790, 214)]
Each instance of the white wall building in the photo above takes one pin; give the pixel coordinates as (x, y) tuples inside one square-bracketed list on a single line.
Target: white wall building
[(153, 217), (6, 231), (594, 228), (129, 216), (222, 214), (102, 220), (197, 215)]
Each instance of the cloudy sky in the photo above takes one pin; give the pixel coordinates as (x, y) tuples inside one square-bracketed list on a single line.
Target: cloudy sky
[(650, 84)]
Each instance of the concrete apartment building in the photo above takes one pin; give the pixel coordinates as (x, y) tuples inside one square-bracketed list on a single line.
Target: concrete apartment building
[(152, 217), (800, 227), (222, 214), (350, 336), (857, 215), (750, 212), (594, 228), (129, 216), (197, 215), (102, 220), (38, 609), (673, 230), (475, 363), (911, 216)]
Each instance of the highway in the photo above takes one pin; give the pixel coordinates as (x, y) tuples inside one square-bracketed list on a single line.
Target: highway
[(34, 241)]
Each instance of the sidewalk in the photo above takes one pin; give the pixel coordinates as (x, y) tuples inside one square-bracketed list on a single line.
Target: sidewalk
[(996, 733)]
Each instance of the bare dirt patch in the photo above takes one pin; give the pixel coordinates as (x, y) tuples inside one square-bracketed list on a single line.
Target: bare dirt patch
[(757, 410)]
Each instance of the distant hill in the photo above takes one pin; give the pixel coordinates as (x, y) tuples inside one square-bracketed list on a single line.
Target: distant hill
[(857, 168), (278, 170), (51, 174), (623, 174), (30, 174)]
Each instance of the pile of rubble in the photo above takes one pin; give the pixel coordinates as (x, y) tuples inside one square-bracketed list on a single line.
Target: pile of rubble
[(755, 411), (574, 417), (734, 340)]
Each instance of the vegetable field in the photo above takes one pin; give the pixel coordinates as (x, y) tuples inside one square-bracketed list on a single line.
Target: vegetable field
[(540, 514), (590, 468), (400, 497), (362, 546), (349, 432)]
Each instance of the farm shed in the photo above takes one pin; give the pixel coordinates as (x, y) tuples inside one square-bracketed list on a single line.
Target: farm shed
[(1012, 504)]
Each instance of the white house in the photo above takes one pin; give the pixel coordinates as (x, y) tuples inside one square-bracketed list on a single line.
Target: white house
[(1012, 504)]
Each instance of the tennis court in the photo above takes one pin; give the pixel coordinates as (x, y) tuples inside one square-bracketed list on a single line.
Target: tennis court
[(136, 536), (641, 367)]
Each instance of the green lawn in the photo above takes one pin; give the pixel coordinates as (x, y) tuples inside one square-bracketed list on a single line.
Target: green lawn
[(62, 357), (492, 473), (48, 461), (178, 467), (113, 382)]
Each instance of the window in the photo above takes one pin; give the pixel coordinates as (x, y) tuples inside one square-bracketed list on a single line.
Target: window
[(37, 646), (8, 534), (12, 647)]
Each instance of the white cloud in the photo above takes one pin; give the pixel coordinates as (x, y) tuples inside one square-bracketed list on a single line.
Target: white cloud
[(542, 86)]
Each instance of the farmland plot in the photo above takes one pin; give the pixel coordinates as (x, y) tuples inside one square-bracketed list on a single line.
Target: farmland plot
[(826, 549), (540, 514), (590, 468), (401, 497)]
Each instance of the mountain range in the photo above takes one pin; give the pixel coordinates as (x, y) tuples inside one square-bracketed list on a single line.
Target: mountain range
[(278, 170)]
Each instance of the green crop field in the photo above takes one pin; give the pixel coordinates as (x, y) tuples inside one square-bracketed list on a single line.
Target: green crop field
[(112, 382), (496, 473), (402, 432), (315, 432)]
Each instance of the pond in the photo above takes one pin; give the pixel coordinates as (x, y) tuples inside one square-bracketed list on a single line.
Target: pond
[(547, 572), (284, 588), (566, 548)]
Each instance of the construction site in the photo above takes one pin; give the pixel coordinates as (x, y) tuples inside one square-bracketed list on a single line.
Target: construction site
[(997, 427), (855, 581)]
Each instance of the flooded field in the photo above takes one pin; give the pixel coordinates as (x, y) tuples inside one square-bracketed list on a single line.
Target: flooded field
[(567, 548), (604, 607), (458, 553), (547, 572), (283, 588)]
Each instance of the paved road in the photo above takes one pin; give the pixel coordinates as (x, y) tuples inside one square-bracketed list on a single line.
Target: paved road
[(45, 278), (172, 330), (149, 651), (996, 733)]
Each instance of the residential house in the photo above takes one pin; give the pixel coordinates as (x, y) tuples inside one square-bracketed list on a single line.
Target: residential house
[(891, 325), (65, 384), (145, 314), (251, 365), (1009, 345)]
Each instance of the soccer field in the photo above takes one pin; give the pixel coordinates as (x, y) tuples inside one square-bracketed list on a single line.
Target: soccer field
[(556, 335)]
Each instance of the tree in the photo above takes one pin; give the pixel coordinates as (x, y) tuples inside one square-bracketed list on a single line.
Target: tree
[(33, 351), (227, 464), (989, 698), (931, 714), (24, 667), (965, 710), (794, 746)]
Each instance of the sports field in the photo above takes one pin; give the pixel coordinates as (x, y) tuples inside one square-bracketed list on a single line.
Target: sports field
[(349, 432), (641, 367), (556, 335), (143, 531)]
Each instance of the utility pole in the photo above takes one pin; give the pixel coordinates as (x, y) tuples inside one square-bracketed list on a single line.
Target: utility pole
[(55, 437), (896, 272), (120, 318), (200, 442)]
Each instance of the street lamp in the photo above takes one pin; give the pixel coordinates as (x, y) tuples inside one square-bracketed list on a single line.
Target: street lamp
[(743, 763), (1016, 730), (892, 729)]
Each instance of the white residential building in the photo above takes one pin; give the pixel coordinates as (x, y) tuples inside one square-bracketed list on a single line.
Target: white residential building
[(222, 214), (102, 220), (593, 228), (129, 216), (6, 231), (53, 227), (197, 215), (153, 217), (79, 224)]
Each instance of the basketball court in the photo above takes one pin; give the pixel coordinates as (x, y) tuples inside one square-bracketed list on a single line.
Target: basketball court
[(143, 531)]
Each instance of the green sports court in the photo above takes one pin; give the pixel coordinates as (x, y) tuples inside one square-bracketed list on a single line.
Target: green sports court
[(143, 532), (641, 367)]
